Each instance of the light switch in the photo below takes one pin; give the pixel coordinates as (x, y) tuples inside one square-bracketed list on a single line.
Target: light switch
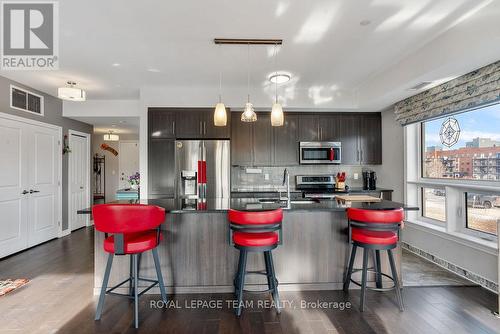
[(266, 177)]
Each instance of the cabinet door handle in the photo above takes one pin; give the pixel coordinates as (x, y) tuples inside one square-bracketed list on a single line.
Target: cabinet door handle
[(357, 155), (34, 191), (173, 127), (201, 128), (25, 192), (361, 155), (204, 128)]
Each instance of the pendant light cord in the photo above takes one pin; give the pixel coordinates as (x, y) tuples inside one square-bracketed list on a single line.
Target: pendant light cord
[(276, 72), (220, 76), (248, 72)]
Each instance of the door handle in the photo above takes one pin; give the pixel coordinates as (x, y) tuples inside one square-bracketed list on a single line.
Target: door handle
[(204, 128), (34, 191), (25, 192)]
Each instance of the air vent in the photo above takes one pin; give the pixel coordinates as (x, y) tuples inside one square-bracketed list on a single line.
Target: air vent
[(25, 100), (422, 85)]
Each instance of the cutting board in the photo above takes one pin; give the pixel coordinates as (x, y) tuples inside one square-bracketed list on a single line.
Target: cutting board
[(358, 198)]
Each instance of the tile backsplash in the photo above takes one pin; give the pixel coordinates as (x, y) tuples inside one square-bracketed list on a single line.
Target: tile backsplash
[(271, 178)]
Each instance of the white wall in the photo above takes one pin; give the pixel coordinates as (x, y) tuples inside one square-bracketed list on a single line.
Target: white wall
[(391, 173)]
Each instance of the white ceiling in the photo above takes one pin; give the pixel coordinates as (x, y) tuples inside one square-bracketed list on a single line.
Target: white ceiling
[(119, 125), (335, 62)]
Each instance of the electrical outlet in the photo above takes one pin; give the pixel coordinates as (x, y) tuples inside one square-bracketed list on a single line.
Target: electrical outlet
[(266, 177), (356, 176)]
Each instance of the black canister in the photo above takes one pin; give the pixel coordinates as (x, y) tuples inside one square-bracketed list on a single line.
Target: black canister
[(366, 176), (372, 180)]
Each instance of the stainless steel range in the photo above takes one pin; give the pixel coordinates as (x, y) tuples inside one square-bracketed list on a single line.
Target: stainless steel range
[(317, 186)]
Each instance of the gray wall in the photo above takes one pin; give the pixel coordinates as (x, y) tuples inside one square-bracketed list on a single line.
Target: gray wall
[(111, 168), (53, 115), (391, 173)]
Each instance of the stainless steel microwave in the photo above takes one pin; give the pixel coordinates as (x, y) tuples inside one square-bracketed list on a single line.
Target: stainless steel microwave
[(325, 152)]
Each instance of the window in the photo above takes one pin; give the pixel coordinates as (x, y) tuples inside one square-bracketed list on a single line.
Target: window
[(27, 101), (434, 204), (483, 212), (473, 140)]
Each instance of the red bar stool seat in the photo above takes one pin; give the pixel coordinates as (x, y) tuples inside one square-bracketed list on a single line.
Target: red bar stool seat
[(374, 231), (134, 242), (374, 237), (256, 232), (135, 229), (255, 239)]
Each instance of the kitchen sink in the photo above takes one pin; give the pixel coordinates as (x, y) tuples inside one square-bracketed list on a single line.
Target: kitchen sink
[(293, 201)]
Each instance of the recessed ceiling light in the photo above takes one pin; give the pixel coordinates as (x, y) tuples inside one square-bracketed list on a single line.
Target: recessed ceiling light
[(365, 22), (153, 70), (122, 122), (115, 64), (280, 78), (113, 125)]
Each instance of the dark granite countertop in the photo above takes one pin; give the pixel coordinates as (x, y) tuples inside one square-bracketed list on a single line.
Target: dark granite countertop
[(253, 204), (270, 193)]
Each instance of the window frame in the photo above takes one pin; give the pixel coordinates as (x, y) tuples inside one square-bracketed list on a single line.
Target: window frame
[(455, 201), (421, 206)]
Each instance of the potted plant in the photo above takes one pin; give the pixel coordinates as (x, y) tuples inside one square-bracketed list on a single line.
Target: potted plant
[(134, 180)]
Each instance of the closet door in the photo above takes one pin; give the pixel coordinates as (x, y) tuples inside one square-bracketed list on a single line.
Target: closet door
[(13, 182), (43, 177)]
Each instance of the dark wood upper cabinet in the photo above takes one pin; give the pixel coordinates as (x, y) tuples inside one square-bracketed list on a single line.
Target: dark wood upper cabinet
[(370, 139), (210, 131), (161, 123), (349, 137), (189, 123), (309, 127), (329, 127), (286, 146), (241, 143), (262, 141)]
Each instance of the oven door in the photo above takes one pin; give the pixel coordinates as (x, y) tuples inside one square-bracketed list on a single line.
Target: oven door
[(320, 154)]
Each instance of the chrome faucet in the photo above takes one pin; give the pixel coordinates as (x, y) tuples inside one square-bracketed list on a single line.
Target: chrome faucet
[(286, 181)]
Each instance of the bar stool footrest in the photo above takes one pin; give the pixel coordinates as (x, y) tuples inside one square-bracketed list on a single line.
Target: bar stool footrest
[(110, 291), (389, 288)]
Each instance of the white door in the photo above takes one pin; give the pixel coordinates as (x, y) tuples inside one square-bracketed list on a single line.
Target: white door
[(78, 184), (128, 160), (43, 176), (29, 184), (13, 182)]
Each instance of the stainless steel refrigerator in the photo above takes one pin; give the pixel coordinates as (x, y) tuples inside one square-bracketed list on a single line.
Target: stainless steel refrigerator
[(202, 170)]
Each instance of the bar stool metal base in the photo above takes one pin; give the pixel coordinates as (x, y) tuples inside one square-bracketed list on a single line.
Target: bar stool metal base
[(377, 271), (133, 280), (269, 272)]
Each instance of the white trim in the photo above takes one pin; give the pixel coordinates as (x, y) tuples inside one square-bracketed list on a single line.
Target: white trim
[(59, 130), (87, 154), (461, 238), (42, 100)]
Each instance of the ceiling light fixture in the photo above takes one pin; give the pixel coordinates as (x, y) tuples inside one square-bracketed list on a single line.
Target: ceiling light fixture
[(365, 22), (220, 113), (248, 114), (280, 78), (71, 93), (110, 136), (277, 117)]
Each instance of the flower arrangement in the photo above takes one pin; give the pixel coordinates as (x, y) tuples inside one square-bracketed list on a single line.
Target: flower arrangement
[(134, 180)]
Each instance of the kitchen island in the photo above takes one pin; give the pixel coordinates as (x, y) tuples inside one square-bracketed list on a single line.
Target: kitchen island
[(196, 254)]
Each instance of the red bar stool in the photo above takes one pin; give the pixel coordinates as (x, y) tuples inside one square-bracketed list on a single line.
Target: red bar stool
[(374, 230), (135, 229), (256, 232)]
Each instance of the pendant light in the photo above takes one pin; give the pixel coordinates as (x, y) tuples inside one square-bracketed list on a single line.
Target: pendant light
[(277, 117), (248, 114), (220, 113)]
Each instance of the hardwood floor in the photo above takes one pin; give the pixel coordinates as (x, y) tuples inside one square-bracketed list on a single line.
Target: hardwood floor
[(59, 300)]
